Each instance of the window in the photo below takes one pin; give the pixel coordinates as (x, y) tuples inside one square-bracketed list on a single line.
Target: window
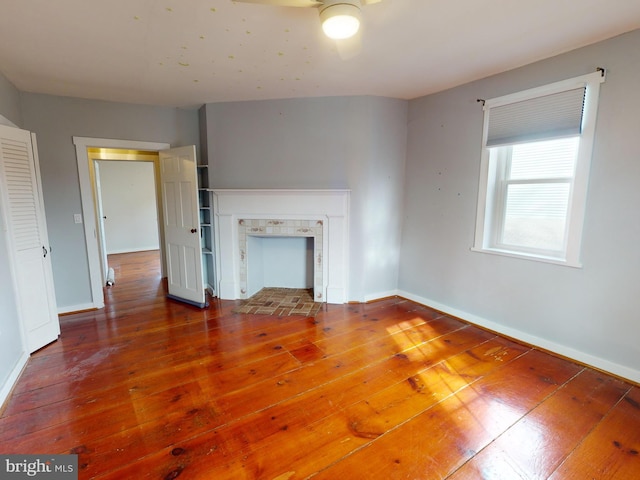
[(536, 154)]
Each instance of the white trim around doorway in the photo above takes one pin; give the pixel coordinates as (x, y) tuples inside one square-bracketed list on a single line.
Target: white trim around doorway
[(88, 207)]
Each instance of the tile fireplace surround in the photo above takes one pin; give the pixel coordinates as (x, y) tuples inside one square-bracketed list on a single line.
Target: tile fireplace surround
[(321, 214)]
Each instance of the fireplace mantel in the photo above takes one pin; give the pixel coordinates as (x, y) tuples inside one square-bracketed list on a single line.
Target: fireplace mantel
[(329, 209)]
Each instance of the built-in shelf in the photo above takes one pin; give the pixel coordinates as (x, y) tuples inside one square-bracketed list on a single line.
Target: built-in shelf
[(205, 198)]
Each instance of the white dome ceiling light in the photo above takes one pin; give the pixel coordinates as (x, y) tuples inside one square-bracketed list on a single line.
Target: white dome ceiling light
[(340, 19)]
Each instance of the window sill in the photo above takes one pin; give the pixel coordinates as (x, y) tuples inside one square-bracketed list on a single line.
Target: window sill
[(528, 256)]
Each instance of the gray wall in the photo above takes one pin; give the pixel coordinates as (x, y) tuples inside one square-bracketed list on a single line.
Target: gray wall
[(56, 120), (347, 142), (128, 191), (589, 313), (10, 102)]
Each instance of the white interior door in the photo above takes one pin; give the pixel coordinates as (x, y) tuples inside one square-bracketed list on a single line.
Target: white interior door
[(178, 173), (30, 252)]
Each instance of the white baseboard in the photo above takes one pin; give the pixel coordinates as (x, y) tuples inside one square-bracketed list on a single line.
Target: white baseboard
[(560, 349), (381, 295), (7, 386), (78, 308)]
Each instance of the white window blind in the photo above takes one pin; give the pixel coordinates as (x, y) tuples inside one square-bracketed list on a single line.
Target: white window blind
[(548, 116)]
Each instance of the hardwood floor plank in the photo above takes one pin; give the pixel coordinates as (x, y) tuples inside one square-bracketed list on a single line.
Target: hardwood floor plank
[(239, 403), (100, 405), (258, 456), (435, 442), (538, 442), (152, 388), (329, 439), (235, 402), (246, 355), (612, 449)]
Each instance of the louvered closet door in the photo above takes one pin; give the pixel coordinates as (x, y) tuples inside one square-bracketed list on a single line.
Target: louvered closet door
[(27, 237)]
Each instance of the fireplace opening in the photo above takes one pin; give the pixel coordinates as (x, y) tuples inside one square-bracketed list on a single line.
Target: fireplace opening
[(279, 261), (310, 239)]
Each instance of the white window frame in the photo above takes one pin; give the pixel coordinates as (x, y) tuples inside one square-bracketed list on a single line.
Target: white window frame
[(487, 225)]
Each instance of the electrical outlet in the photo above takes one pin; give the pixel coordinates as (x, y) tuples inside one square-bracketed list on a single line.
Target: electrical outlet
[(77, 218)]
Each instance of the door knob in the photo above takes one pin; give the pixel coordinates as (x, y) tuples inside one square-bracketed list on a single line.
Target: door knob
[(193, 230)]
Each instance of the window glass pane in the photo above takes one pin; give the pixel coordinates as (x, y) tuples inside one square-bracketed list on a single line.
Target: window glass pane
[(548, 159), (535, 215)]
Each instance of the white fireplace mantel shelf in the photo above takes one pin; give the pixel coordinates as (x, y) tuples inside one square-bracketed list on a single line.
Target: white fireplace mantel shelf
[(328, 209)]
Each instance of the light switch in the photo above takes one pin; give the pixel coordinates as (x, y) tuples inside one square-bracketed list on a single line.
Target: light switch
[(77, 218)]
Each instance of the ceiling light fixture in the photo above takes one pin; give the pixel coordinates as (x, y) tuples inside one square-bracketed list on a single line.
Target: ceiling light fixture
[(340, 19)]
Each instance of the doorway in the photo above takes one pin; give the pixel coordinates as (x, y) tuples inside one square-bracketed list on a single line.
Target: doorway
[(125, 189), (89, 150)]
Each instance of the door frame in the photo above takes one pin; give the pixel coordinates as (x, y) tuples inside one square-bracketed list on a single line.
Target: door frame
[(97, 155), (89, 212)]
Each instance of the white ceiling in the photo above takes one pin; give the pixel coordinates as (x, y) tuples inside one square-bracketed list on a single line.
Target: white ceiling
[(185, 53)]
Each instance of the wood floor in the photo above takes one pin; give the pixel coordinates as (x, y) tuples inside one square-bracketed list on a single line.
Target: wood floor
[(151, 388)]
